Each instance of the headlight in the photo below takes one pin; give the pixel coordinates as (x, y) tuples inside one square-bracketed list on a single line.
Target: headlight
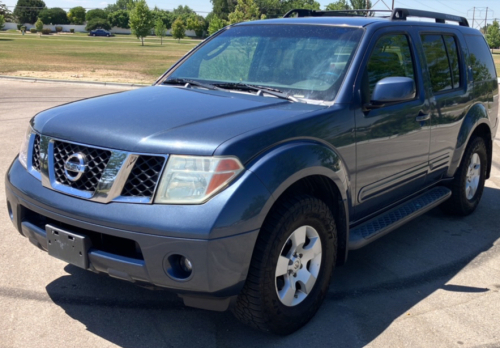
[(194, 179), (23, 152)]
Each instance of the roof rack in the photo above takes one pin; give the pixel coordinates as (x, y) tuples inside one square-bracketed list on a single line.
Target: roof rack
[(402, 13), (336, 13), (398, 14)]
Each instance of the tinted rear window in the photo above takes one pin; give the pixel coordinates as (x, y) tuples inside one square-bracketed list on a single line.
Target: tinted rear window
[(480, 59), (437, 61)]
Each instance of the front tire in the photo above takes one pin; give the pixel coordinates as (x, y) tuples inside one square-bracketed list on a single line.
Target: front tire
[(468, 184), (291, 267)]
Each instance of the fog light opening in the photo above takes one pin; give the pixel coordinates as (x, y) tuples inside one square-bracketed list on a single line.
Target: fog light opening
[(178, 267), (11, 213)]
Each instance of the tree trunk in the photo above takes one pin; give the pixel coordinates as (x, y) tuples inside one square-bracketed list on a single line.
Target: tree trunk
[(142, 39), (161, 40)]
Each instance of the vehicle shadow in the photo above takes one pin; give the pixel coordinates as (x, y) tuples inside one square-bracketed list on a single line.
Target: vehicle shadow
[(380, 283)]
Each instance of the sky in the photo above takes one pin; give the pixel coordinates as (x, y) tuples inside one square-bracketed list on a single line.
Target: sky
[(462, 8)]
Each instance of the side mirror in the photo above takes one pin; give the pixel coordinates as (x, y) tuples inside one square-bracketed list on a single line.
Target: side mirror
[(392, 90)]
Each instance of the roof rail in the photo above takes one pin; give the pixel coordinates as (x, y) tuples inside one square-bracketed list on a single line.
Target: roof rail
[(402, 13), (398, 14), (336, 13)]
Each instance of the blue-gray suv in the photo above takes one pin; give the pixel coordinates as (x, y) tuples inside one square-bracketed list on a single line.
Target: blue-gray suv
[(247, 172)]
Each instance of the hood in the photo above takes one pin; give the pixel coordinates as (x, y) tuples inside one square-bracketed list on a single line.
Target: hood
[(164, 119)]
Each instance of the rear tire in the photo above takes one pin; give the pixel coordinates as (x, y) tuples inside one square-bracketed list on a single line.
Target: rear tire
[(468, 184), (278, 296)]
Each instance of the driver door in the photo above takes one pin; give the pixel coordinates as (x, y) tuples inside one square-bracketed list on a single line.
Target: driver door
[(392, 142)]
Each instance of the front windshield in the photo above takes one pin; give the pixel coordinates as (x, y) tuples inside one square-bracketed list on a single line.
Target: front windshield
[(306, 62)]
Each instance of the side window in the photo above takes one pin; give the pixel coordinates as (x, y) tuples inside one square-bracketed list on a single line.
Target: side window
[(480, 59), (437, 62), (391, 57), (451, 47)]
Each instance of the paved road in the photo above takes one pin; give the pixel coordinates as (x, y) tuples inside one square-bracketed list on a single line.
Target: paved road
[(433, 283)]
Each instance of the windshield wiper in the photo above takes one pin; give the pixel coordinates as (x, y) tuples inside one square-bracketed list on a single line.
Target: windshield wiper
[(189, 82), (259, 89)]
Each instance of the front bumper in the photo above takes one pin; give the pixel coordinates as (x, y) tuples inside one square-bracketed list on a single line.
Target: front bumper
[(220, 265)]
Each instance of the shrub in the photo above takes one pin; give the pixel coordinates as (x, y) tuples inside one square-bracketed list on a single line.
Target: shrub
[(58, 29), (72, 30), (33, 31), (23, 28), (46, 31), (19, 26)]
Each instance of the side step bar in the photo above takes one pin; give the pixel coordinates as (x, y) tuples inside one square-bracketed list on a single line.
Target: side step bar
[(382, 224)]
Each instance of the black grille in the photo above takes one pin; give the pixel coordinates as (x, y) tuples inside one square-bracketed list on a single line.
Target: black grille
[(96, 159), (144, 176), (35, 157)]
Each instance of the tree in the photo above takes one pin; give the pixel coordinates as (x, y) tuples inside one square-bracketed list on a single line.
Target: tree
[(305, 4), (270, 8), (2, 21), (119, 19), (97, 13), (121, 5), (26, 11), (178, 29), (167, 17), (493, 35), (141, 20), (361, 4), (222, 8), (98, 23), (54, 15), (183, 11), (4, 11), (160, 29), (338, 6), (76, 15), (39, 26), (245, 10), (216, 24), (196, 23)]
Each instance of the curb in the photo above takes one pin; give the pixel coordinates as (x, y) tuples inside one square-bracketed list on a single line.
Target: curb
[(111, 84)]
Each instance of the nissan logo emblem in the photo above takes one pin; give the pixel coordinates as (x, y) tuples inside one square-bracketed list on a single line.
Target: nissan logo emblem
[(75, 166)]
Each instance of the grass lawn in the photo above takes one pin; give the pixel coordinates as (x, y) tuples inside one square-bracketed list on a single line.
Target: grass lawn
[(80, 57)]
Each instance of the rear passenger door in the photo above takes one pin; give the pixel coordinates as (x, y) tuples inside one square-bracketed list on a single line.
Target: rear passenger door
[(444, 68), (392, 142)]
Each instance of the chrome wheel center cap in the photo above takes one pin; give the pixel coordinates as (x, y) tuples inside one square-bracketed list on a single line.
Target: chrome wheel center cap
[(296, 264)]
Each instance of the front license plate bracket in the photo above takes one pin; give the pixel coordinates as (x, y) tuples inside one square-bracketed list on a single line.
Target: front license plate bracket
[(68, 246)]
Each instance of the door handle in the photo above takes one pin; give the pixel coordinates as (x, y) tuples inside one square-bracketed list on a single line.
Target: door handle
[(422, 118)]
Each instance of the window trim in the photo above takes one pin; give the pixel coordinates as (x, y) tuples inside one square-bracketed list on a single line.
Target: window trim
[(460, 60)]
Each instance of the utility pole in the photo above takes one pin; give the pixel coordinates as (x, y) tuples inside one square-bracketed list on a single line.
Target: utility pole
[(393, 4), (473, 15), (486, 21)]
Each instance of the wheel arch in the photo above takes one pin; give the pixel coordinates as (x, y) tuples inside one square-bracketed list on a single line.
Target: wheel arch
[(476, 123), (315, 169)]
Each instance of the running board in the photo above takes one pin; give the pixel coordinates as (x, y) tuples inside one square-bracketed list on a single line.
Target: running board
[(382, 224)]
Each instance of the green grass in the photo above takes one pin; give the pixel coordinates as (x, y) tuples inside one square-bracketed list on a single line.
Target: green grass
[(115, 59)]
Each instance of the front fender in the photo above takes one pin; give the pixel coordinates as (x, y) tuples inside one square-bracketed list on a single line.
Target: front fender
[(284, 165), (477, 114), (247, 202)]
